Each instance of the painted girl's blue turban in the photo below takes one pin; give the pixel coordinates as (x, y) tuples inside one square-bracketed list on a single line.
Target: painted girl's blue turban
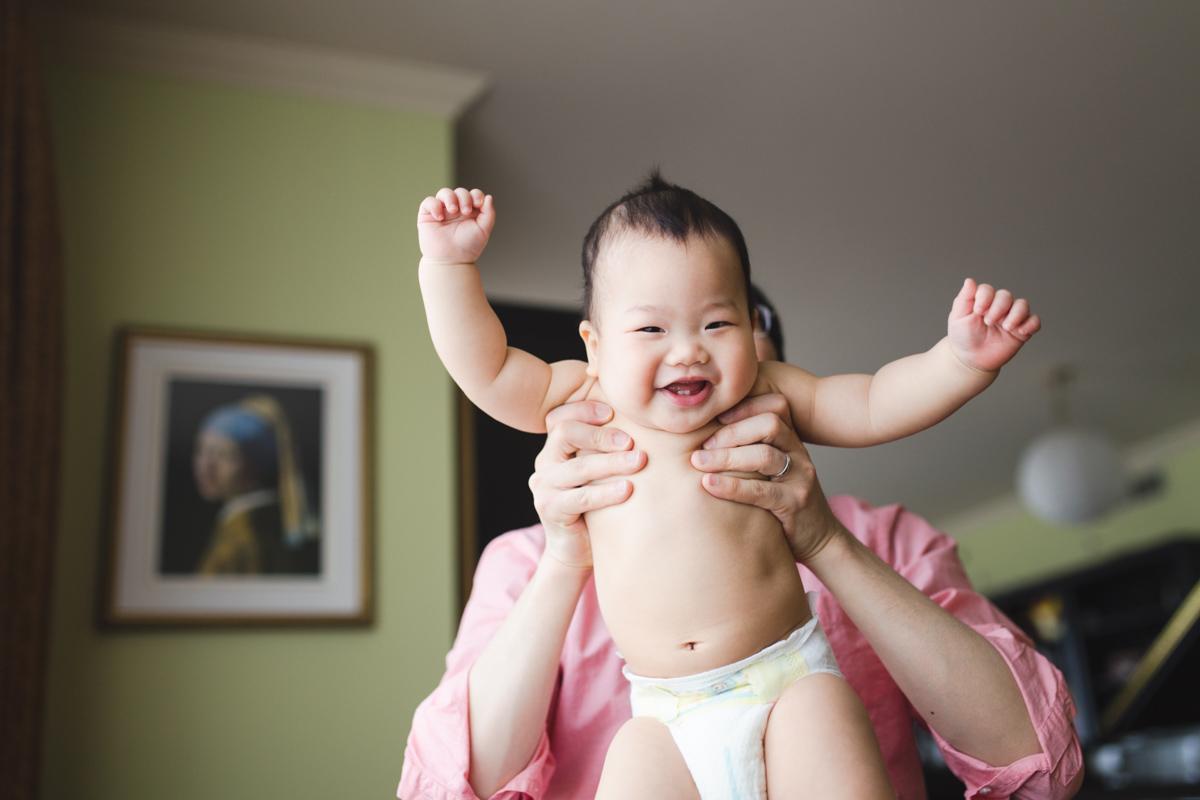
[(254, 436)]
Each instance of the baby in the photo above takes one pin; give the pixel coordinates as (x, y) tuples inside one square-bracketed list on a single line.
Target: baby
[(701, 595)]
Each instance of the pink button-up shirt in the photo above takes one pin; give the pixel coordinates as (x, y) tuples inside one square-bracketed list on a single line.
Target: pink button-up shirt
[(592, 700)]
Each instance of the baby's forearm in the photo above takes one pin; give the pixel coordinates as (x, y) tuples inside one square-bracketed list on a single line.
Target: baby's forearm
[(917, 392), (902, 398)]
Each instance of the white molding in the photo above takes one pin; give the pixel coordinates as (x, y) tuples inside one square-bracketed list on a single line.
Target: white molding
[(239, 60), (1139, 458)]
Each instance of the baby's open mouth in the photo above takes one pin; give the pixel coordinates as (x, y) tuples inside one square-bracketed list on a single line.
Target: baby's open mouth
[(687, 392)]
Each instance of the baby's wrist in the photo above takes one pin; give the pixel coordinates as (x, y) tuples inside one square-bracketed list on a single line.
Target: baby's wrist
[(961, 362), (440, 261)]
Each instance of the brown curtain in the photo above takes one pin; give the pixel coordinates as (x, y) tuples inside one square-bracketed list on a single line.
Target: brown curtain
[(31, 343)]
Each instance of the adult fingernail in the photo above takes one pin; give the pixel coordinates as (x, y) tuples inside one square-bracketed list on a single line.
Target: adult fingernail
[(621, 439), (704, 457), (713, 480), (631, 456), (709, 444)]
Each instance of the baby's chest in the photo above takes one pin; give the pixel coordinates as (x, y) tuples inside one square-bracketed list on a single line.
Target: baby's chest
[(668, 455), (668, 497)]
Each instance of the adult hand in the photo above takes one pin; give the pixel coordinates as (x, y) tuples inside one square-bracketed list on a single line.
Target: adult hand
[(758, 437), (563, 481)]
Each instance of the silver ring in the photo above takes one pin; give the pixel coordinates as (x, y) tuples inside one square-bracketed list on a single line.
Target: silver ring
[(786, 466)]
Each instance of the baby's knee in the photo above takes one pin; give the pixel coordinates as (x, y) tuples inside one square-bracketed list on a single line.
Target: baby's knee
[(638, 735)]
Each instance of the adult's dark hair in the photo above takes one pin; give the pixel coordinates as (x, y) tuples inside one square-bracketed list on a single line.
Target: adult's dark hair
[(768, 318), (659, 208)]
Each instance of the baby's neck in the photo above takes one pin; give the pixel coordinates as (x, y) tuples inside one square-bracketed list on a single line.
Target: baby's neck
[(656, 441)]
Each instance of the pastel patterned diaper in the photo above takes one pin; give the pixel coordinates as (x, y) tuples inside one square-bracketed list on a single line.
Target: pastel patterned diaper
[(718, 718)]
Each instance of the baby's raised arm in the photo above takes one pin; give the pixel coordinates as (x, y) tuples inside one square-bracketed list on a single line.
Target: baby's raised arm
[(508, 384), (985, 330)]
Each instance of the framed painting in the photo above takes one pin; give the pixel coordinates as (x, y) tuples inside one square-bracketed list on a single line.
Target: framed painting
[(241, 482)]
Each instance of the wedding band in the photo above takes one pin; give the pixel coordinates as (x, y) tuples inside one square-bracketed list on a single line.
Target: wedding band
[(786, 466)]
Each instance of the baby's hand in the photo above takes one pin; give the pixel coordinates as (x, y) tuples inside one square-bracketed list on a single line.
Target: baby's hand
[(455, 224), (987, 327)]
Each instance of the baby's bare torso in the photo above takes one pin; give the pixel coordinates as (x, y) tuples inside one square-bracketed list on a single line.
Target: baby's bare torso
[(687, 582)]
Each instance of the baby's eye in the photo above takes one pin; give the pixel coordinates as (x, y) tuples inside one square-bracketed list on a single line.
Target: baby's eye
[(650, 329), (713, 325)]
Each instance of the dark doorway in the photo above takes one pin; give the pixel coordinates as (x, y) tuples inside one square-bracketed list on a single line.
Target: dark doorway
[(495, 461)]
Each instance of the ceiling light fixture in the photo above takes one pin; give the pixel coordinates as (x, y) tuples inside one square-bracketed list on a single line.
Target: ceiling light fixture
[(1071, 475)]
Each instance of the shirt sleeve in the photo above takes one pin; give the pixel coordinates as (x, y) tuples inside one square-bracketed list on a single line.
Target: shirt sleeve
[(437, 756), (929, 560)]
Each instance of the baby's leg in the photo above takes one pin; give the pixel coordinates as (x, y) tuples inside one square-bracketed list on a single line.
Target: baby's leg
[(820, 744), (643, 762)]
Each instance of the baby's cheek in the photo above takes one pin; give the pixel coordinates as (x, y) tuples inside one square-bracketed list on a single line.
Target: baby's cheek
[(746, 381), (760, 385), (628, 393)]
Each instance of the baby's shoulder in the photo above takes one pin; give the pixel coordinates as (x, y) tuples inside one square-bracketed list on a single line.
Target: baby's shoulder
[(588, 390), (778, 377)]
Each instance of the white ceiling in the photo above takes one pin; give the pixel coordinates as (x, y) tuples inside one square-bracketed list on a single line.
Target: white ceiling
[(875, 153)]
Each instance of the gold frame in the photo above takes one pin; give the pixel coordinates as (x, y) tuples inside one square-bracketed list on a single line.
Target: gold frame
[(110, 616), (468, 533), (1160, 650)]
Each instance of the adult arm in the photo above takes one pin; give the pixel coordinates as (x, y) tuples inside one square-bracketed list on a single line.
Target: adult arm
[(1000, 711), (927, 559), (482, 732), (445, 758)]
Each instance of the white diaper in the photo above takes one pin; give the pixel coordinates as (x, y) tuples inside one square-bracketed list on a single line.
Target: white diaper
[(718, 718)]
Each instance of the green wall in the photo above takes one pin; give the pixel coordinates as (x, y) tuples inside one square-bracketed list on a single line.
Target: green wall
[(1017, 548), (197, 206)]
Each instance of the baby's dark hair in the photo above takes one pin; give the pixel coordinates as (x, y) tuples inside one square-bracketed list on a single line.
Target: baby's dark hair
[(659, 208)]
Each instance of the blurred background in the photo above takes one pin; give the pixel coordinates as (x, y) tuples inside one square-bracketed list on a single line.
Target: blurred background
[(255, 166)]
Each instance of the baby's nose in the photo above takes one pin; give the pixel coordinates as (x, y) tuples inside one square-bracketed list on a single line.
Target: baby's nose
[(688, 351)]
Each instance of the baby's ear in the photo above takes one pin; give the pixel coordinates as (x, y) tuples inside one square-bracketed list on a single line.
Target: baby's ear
[(590, 340)]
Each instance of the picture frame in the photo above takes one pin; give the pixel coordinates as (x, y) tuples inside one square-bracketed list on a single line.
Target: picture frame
[(241, 481)]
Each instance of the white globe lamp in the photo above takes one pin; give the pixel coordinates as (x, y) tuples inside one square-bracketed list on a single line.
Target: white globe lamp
[(1070, 476)]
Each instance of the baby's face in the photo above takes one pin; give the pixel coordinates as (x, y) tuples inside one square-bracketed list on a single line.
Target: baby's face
[(671, 340)]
